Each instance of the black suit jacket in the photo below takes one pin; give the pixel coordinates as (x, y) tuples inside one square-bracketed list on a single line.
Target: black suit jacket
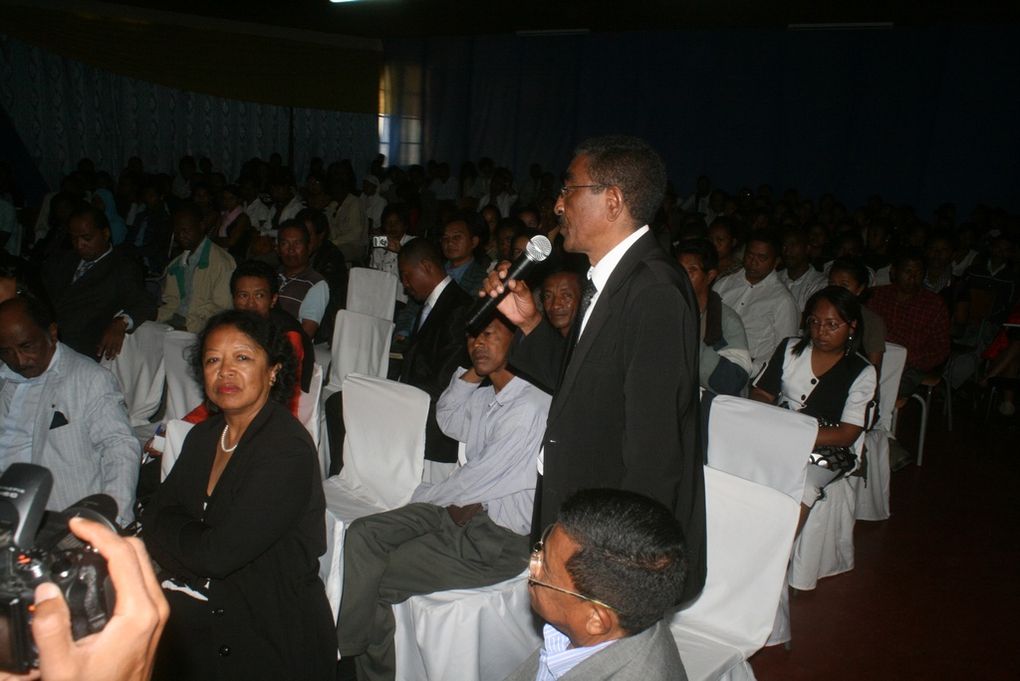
[(258, 541), (435, 351), (84, 308), (625, 410)]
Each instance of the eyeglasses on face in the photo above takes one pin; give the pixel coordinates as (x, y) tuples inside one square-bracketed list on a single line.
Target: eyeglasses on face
[(567, 188), (537, 553), (829, 325)]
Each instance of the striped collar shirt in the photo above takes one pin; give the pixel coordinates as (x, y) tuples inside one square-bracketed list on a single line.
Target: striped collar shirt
[(557, 657)]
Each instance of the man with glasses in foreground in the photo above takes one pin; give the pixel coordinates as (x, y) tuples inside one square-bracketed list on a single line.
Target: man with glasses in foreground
[(602, 577)]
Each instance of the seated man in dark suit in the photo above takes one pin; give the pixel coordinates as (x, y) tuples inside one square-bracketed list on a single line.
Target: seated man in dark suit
[(436, 346), (602, 578), (98, 294), (435, 349)]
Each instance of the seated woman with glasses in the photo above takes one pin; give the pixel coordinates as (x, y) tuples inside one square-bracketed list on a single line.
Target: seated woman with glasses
[(821, 374)]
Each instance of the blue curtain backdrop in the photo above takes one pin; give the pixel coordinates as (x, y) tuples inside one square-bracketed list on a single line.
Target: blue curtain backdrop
[(919, 115), (64, 110)]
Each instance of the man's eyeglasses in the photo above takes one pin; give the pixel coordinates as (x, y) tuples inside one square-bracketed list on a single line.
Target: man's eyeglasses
[(537, 552), (567, 188), (827, 324)]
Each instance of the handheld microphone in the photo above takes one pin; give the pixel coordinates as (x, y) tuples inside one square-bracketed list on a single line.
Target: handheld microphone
[(538, 249)]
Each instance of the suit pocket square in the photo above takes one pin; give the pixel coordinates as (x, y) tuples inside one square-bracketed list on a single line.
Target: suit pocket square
[(58, 420)]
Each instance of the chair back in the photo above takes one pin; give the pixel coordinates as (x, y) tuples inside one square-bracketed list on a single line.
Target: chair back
[(761, 443), (361, 345), (372, 292), (176, 431), (308, 405), (384, 450), (140, 371), (893, 362), (750, 530), (183, 392)]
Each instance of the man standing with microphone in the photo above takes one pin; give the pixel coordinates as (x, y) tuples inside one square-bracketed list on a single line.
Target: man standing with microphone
[(625, 410)]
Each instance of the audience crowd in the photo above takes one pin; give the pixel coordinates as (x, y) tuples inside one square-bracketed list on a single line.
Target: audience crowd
[(794, 299)]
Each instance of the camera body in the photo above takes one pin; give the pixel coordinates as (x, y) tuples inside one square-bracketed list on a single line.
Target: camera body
[(380, 242), (37, 547)]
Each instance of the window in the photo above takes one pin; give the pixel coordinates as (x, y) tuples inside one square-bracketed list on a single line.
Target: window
[(400, 113)]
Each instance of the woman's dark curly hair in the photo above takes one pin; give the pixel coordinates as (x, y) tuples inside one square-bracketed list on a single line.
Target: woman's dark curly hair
[(266, 335)]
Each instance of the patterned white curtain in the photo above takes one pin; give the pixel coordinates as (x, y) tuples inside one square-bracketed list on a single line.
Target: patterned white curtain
[(64, 110)]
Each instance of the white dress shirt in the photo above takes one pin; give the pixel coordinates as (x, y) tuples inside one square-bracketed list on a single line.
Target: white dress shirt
[(501, 430), (804, 286), (767, 309), (430, 302)]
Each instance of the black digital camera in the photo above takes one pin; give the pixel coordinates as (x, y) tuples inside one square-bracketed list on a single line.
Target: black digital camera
[(35, 547)]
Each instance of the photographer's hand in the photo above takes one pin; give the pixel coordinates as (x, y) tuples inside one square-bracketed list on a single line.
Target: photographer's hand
[(124, 650)]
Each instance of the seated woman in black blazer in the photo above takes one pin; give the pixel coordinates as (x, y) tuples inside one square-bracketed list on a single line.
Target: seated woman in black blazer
[(238, 525), (821, 374)]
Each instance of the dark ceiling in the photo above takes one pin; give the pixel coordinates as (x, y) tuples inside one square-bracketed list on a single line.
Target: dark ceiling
[(398, 18)]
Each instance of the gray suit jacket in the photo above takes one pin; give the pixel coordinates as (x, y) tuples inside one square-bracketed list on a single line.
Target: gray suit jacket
[(648, 656), (82, 434)]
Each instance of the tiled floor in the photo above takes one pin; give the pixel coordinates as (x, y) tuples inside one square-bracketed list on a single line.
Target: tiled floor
[(935, 593)]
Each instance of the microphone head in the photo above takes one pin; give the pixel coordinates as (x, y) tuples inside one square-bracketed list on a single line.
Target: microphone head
[(538, 248)]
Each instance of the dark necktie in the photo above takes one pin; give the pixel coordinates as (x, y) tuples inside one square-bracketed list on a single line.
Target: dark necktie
[(588, 292)]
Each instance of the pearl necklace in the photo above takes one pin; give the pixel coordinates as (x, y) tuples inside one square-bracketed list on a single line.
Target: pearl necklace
[(223, 441)]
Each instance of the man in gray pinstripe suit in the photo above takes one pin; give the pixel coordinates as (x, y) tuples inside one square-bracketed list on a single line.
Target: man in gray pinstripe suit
[(61, 410)]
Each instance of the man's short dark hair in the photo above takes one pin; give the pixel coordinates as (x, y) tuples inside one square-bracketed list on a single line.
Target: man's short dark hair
[(632, 165), (191, 209), (766, 236), (703, 249), (256, 268), (631, 554), (87, 210), (296, 223), (314, 217), (420, 250)]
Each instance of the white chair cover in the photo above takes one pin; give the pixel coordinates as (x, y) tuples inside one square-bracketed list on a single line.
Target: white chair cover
[(383, 455), (176, 431), (323, 357), (873, 497), (893, 362), (140, 371), (466, 634), (372, 292), (825, 546), (361, 345), (310, 415), (383, 459), (183, 392), (761, 443), (750, 529)]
